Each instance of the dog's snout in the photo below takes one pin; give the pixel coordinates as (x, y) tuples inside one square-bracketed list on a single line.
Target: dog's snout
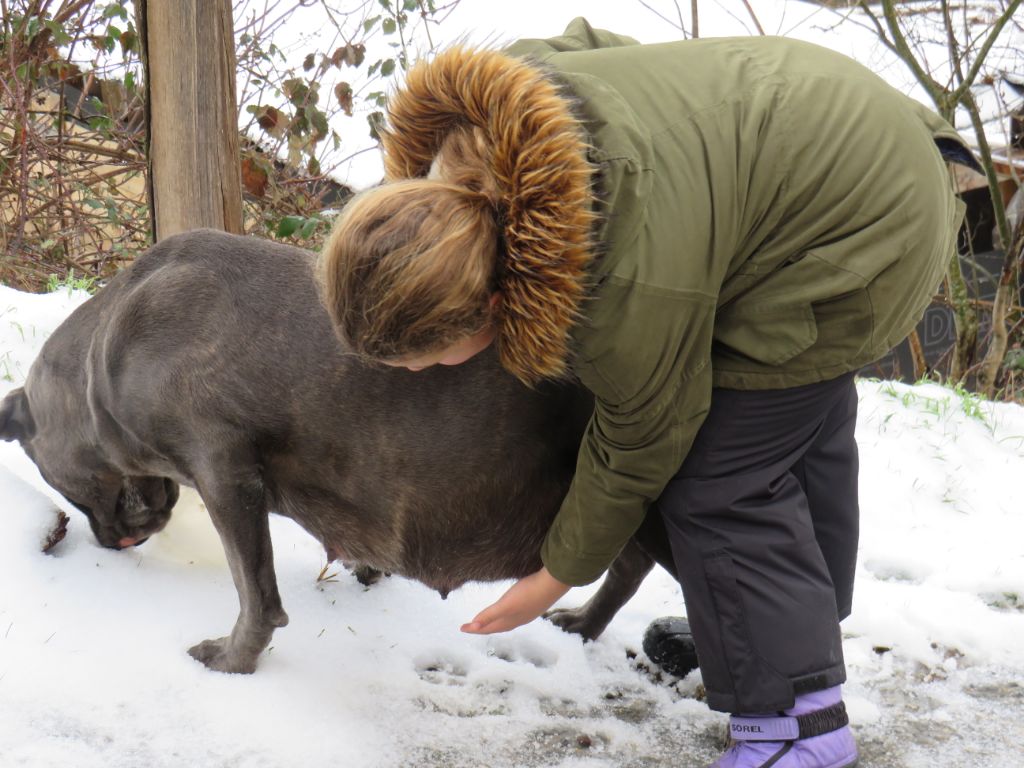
[(134, 509), (143, 500), (131, 541)]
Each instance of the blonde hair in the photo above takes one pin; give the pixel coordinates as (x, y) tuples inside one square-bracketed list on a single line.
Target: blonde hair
[(411, 265)]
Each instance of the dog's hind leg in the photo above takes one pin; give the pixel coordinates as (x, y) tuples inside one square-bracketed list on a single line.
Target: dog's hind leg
[(238, 507), (652, 538)]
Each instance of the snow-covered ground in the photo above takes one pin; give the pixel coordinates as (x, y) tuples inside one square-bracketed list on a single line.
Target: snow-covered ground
[(93, 669)]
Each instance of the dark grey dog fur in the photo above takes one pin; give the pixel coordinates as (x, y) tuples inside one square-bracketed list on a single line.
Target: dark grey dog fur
[(211, 363)]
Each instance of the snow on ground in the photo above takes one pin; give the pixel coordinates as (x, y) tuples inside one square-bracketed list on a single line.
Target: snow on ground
[(93, 669)]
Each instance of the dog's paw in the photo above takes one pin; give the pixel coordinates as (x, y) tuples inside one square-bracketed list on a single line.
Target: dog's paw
[(575, 621), (442, 671), (218, 656), (367, 575)]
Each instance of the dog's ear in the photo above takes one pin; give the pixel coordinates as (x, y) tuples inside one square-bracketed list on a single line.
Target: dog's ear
[(15, 417)]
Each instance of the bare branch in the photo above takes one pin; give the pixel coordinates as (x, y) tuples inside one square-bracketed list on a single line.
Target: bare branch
[(979, 59), (952, 44), (753, 16), (985, 151), (426, 27), (677, 24), (69, 10), (900, 45)]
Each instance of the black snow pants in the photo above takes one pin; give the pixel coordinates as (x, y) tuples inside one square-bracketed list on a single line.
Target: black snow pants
[(763, 522)]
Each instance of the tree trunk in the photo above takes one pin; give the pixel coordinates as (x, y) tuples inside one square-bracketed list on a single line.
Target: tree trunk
[(189, 56), (965, 320), (917, 355), (996, 355)]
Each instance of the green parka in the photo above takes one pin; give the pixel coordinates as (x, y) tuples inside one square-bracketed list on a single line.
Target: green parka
[(769, 214)]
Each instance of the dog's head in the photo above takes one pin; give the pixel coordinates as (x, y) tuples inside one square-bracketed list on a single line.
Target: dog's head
[(122, 510)]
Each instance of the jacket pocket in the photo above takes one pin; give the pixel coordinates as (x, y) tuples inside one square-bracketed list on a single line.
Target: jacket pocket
[(768, 333)]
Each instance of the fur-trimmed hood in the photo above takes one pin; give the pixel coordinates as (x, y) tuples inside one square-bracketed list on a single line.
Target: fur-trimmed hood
[(544, 179)]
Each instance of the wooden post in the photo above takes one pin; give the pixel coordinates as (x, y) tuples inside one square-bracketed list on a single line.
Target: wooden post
[(189, 55)]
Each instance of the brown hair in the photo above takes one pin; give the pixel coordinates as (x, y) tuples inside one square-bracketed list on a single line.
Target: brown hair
[(411, 265), (512, 210)]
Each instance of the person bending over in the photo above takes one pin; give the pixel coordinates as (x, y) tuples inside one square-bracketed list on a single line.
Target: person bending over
[(711, 236)]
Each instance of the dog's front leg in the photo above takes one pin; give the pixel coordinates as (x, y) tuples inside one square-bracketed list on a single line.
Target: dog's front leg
[(239, 512), (624, 578)]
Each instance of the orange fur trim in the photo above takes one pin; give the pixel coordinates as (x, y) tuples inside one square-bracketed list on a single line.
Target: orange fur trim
[(544, 180)]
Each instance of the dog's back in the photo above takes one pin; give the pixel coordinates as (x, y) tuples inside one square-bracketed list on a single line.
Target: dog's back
[(444, 475)]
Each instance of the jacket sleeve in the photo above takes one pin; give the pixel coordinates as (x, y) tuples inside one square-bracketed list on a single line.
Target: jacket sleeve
[(652, 393)]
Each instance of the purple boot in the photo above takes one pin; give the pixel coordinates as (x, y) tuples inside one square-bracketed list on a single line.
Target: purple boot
[(815, 733)]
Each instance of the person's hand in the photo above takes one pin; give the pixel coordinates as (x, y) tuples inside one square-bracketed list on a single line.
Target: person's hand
[(524, 601)]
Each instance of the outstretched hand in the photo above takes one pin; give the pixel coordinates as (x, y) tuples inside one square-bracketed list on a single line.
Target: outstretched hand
[(524, 601)]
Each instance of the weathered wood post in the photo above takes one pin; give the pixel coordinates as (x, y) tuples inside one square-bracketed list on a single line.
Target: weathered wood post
[(189, 56)]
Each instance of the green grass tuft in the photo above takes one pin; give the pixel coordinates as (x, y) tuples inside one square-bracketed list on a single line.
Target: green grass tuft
[(72, 283)]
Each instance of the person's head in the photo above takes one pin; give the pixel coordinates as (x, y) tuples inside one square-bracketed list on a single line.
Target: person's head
[(481, 233), (410, 270), (409, 275)]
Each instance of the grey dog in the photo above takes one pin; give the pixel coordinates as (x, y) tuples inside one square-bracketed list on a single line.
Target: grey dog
[(211, 363)]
